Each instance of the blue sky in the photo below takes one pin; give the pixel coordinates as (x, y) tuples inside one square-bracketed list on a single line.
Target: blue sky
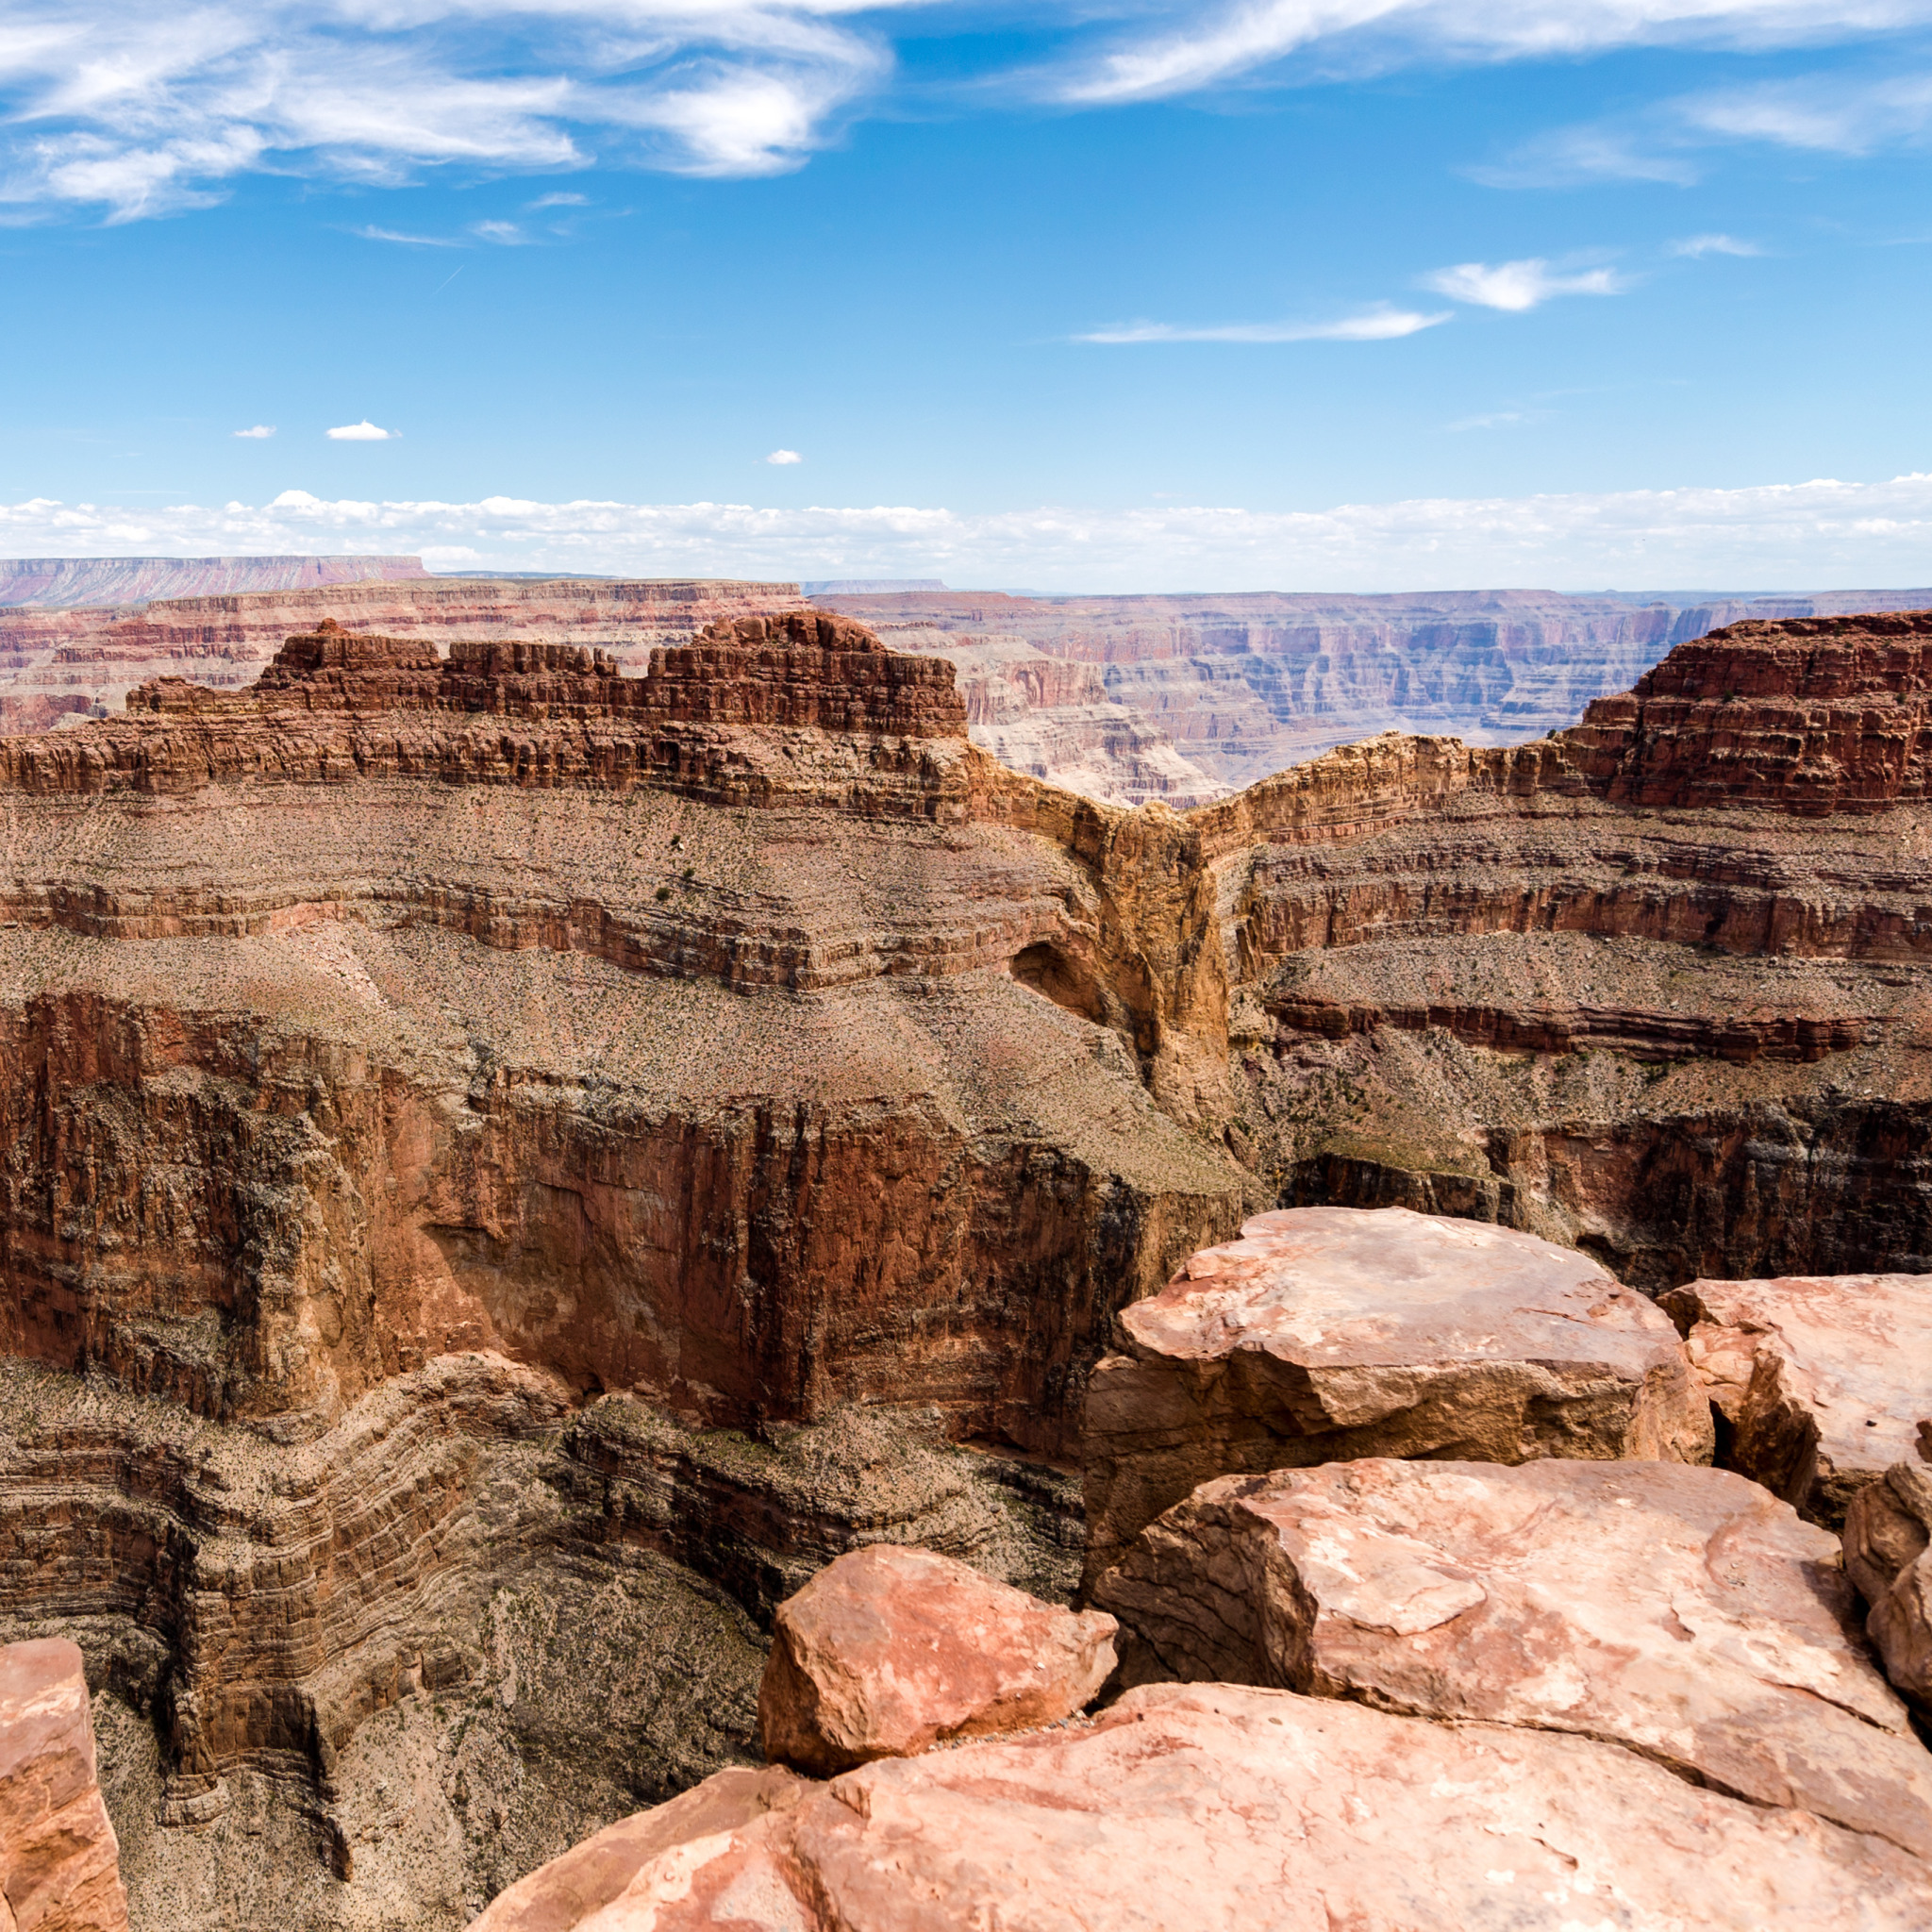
[(1357, 294)]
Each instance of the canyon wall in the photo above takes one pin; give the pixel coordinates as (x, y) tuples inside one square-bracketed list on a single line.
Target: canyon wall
[(514, 1156), (1233, 688)]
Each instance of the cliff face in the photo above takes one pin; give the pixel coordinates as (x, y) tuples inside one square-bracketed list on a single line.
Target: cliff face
[(510, 1163), (1234, 688), (222, 639)]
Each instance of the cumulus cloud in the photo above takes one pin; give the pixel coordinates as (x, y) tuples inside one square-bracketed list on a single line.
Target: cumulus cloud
[(1797, 535), (1380, 324), (1516, 286), (784, 456), (261, 433), (365, 431)]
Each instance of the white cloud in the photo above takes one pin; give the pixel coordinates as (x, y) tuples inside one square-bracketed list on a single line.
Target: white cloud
[(1194, 47), (372, 233), (1697, 246), (147, 109), (505, 234), (562, 201), (365, 431), (1380, 324), (1846, 112), (261, 433), (1516, 286), (784, 456), (1801, 534), (144, 110)]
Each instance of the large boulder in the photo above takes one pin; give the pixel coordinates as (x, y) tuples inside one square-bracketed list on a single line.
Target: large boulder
[(1212, 1809), (1823, 1381), (1888, 1554), (560, 1895), (59, 1863), (1681, 1611), (889, 1651), (1328, 1333)]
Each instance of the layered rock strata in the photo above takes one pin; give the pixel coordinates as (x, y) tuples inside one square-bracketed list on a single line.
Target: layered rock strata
[(1822, 1382), (222, 638), (1184, 1808), (60, 1869), (1680, 1611), (889, 1651), (736, 1046), (1232, 688), (1327, 1334)]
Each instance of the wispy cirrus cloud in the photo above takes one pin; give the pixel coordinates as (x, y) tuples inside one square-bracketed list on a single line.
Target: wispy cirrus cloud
[(1381, 323), (1185, 48), (143, 110), (1853, 114), (1695, 247), (1810, 534), (1517, 286), (261, 433), (139, 110)]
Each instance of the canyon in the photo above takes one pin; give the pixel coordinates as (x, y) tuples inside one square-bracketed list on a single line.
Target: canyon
[(519, 1151)]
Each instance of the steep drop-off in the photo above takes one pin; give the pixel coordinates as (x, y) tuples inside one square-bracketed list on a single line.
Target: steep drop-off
[(511, 1164)]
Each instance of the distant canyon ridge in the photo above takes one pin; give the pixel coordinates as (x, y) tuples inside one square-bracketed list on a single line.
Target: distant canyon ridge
[(1125, 700)]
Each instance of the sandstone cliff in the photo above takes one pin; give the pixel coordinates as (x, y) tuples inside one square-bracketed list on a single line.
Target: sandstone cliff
[(514, 1156)]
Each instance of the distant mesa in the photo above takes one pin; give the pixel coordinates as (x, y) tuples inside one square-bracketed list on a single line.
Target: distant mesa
[(869, 587), (68, 581)]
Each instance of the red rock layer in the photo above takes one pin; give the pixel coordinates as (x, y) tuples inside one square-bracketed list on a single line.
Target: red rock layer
[(1829, 714)]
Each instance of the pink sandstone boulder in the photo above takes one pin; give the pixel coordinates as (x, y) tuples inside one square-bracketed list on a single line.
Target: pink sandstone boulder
[(1215, 1809), (1824, 1379), (1681, 1611), (1889, 1555), (888, 1651), (59, 1863), (1328, 1333), (563, 1893)]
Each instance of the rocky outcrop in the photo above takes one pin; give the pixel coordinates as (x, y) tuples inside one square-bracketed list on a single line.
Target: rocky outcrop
[(1830, 715), (58, 1858), (222, 641), (1823, 1382), (1327, 1334), (82, 580), (890, 1651), (1887, 1538), (1184, 1807), (1683, 1612), (569, 1889)]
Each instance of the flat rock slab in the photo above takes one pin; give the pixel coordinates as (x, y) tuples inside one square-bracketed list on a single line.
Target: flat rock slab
[(1681, 1611), (1213, 1809), (888, 1651), (563, 1893), (1824, 1379), (1329, 1333), (1889, 1555), (59, 1863)]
